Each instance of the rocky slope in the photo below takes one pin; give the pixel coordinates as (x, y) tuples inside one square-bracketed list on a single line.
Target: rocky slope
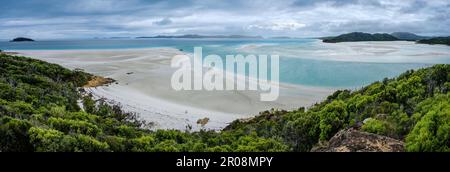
[(352, 140)]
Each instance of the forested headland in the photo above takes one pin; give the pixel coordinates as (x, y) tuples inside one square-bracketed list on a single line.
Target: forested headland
[(396, 36), (437, 40), (360, 36)]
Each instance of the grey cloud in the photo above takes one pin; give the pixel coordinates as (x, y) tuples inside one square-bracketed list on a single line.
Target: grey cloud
[(336, 3), (165, 21), (98, 18)]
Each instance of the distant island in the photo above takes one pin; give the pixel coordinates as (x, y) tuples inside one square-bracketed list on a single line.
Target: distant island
[(115, 37), (281, 37), (202, 36), (21, 39), (408, 36), (436, 40), (396, 36), (360, 36)]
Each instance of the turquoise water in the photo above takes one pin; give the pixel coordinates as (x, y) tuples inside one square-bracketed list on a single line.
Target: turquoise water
[(185, 44), (302, 61)]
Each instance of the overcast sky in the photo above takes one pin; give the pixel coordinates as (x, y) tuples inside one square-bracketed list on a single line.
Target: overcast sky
[(49, 19)]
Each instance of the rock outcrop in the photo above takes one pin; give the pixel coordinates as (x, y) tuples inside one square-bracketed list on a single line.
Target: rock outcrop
[(97, 81), (352, 140)]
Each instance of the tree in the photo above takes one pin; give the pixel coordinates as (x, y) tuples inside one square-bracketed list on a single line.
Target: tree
[(432, 131), (374, 126), (50, 140), (333, 117), (14, 135)]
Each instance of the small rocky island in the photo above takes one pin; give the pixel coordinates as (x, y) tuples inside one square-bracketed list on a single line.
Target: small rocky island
[(22, 39)]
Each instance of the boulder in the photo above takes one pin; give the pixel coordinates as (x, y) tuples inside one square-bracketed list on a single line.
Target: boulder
[(352, 140)]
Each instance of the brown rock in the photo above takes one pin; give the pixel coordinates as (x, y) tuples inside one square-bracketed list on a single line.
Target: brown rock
[(203, 121), (352, 140), (97, 81)]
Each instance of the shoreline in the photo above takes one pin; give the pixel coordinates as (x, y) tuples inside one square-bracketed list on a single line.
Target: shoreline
[(143, 83), (143, 86), (9, 53), (164, 114)]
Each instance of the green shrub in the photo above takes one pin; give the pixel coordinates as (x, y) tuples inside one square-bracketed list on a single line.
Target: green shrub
[(374, 126), (432, 131), (73, 126), (50, 140), (14, 135)]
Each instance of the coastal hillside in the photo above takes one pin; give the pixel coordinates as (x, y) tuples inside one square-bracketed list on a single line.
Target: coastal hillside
[(414, 108), (43, 108), (437, 40), (396, 36), (360, 36), (408, 36)]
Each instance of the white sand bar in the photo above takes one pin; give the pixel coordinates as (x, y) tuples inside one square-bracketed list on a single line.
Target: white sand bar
[(144, 87)]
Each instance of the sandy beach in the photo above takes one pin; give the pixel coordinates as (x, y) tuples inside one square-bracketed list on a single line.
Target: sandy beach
[(360, 52), (144, 87), (144, 80)]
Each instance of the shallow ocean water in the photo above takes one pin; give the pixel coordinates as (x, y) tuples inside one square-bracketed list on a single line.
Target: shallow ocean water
[(302, 61)]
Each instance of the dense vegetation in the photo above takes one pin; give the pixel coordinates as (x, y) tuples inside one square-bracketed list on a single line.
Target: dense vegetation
[(39, 111), (414, 107), (359, 36), (396, 36), (437, 40)]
